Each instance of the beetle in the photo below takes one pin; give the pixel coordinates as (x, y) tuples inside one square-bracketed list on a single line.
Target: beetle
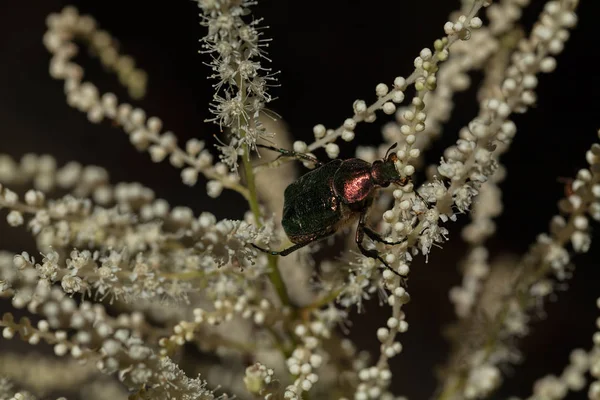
[(333, 195)]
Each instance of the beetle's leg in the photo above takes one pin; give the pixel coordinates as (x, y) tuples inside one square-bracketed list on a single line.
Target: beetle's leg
[(421, 197), (405, 181), (372, 253), (417, 194), (377, 237), (290, 153), (283, 252), (360, 235)]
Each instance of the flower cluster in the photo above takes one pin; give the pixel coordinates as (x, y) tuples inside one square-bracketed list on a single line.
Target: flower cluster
[(539, 273), (131, 286), (146, 133), (235, 48), (79, 329)]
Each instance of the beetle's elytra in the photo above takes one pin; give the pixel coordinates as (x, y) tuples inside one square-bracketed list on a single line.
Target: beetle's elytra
[(332, 195)]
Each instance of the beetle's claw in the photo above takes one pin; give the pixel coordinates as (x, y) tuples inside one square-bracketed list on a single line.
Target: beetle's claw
[(263, 250)]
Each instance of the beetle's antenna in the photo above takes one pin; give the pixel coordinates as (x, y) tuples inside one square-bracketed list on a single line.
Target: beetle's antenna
[(392, 147)]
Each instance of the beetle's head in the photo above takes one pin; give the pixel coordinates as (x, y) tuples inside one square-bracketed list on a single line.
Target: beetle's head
[(384, 171)]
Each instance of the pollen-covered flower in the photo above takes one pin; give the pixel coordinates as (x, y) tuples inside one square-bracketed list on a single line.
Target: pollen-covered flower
[(241, 89)]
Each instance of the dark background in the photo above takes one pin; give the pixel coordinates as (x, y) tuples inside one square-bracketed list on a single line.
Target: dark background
[(329, 53)]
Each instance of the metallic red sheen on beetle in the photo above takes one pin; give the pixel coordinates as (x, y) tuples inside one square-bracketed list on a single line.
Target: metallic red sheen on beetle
[(332, 195)]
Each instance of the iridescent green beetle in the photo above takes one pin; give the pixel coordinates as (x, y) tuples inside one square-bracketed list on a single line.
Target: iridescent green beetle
[(333, 195)]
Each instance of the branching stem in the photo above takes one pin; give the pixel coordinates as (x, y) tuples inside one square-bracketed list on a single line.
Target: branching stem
[(274, 274)]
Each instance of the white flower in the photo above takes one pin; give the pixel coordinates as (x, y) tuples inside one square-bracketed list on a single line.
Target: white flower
[(71, 284)]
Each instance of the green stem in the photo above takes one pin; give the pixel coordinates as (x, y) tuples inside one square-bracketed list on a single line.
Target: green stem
[(277, 281), (251, 185), (328, 298), (274, 274)]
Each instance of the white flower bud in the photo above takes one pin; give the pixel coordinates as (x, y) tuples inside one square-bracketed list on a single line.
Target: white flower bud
[(319, 131), (381, 90), (189, 176), (332, 150), (214, 188)]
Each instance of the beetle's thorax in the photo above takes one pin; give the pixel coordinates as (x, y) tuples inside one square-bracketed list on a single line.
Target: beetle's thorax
[(384, 172), (352, 182)]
